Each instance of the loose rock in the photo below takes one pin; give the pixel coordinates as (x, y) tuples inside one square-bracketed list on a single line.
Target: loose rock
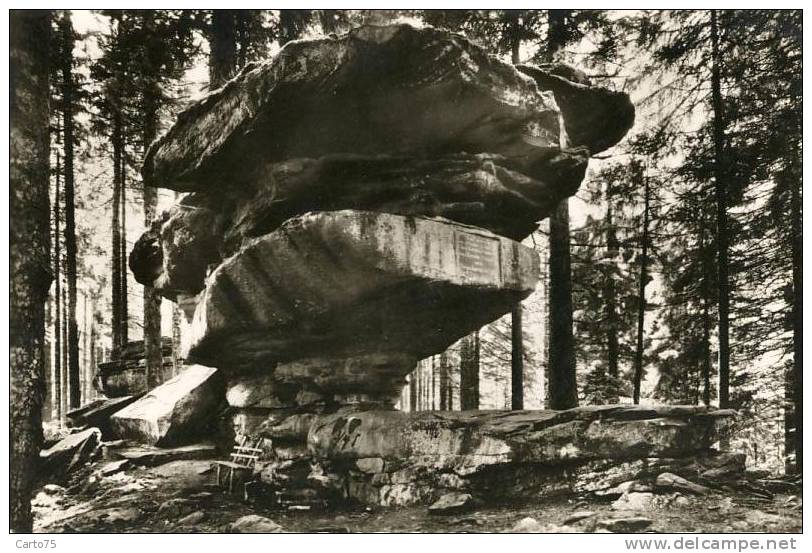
[(625, 525), (255, 524), (669, 481), (451, 504)]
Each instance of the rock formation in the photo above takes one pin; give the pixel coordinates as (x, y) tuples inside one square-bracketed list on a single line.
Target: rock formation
[(356, 204)]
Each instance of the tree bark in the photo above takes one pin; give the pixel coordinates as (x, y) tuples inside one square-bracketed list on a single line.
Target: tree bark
[(563, 392), (563, 388), (612, 347), (641, 307), (29, 259), (444, 384), (57, 328), (469, 372), (720, 177), (124, 332), (516, 359), (796, 207), (116, 231), (222, 47), (66, 68)]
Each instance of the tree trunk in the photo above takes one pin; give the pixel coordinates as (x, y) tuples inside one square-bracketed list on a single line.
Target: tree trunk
[(222, 47), (124, 332), (444, 384), (720, 178), (563, 392), (516, 359), (66, 68), (796, 206), (611, 296), (516, 331), (563, 388), (412, 392), (641, 307), (57, 328), (29, 249), (115, 324), (469, 372), (65, 375)]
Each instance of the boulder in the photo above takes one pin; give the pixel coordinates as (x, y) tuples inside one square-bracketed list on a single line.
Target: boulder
[(374, 90), (361, 289), (451, 504), (70, 452), (255, 524), (178, 411)]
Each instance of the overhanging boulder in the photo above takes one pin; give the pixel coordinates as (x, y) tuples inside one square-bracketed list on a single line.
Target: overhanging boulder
[(176, 412), (375, 90), (352, 283)]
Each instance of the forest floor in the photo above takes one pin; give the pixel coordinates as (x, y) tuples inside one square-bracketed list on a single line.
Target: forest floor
[(180, 497)]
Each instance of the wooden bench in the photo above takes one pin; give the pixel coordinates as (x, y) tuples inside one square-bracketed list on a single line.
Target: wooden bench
[(243, 459)]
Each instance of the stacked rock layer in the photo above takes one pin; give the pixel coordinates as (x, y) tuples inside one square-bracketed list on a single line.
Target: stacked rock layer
[(356, 204)]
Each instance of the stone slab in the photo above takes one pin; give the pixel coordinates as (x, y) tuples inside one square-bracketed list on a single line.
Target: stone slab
[(178, 411), (353, 283)]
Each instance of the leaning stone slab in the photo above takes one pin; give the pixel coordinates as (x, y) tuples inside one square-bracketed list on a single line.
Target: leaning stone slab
[(70, 452), (178, 411), (97, 414), (345, 284)]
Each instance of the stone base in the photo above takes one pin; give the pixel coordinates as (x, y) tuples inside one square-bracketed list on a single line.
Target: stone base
[(395, 458)]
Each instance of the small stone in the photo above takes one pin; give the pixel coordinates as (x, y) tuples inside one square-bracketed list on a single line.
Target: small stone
[(193, 518), (578, 516), (625, 525), (114, 467), (527, 525), (634, 501), (129, 514), (670, 481), (53, 489), (681, 501), (370, 465), (175, 508), (451, 503), (255, 524), (625, 487)]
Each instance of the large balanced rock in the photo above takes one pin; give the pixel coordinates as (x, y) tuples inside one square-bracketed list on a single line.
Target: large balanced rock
[(374, 90), (175, 412), (393, 119), (350, 283)]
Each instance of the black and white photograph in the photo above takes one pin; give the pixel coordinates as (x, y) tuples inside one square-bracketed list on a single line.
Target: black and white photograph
[(394, 270)]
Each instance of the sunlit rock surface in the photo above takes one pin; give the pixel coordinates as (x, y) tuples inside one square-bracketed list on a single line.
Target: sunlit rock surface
[(396, 458), (176, 412), (352, 283)]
